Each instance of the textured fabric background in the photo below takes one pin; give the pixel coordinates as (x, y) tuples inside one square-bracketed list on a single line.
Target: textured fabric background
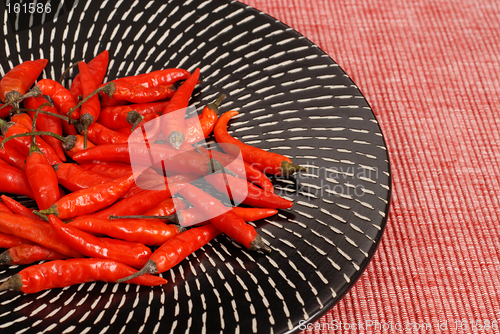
[(431, 72)]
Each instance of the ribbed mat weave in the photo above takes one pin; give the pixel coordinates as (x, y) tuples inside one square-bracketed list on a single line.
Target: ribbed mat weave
[(431, 72)]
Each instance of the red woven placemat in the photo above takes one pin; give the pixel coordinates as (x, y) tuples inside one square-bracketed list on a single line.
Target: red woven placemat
[(431, 72)]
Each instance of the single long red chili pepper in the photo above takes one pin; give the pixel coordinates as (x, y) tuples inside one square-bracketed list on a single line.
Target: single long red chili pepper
[(224, 219), (12, 156), (253, 214), (28, 254), (9, 240), (176, 249), (18, 80), (62, 98), (47, 123), (36, 231), (133, 254), (22, 144), (87, 201), (173, 125), (145, 231), (117, 117), (150, 181), (245, 192), (243, 169), (79, 145), (267, 162), (110, 170), (18, 208), (99, 135), (147, 87), (63, 273), (89, 111), (42, 179), (73, 177), (98, 67), (14, 181), (139, 203)]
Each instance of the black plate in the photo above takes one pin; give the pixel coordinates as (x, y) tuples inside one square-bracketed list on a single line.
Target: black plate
[(293, 100)]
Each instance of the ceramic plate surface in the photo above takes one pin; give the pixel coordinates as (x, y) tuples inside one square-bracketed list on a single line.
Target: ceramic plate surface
[(294, 100)]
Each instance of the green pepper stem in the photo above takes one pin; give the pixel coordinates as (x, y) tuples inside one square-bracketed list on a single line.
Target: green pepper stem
[(66, 140), (215, 105), (61, 79), (107, 89)]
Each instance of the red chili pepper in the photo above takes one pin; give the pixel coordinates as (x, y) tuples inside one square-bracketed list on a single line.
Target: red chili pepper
[(224, 219), (153, 181), (79, 145), (14, 181), (27, 254), (176, 249), (47, 123), (62, 98), (110, 170), (9, 240), (42, 179), (63, 273), (97, 67), (117, 117), (146, 231), (18, 80), (147, 87), (245, 192), (73, 177), (89, 112), (23, 119), (173, 125), (267, 162), (99, 135), (133, 254), (139, 203), (5, 111), (36, 231), (18, 208), (186, 162), (87, 201), (12, 156), (22, 144), (4, 207), (253, 214), (166, 208), (240, 168)]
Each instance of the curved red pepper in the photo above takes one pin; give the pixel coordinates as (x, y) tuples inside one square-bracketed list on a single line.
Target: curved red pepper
[(27, 254), (133, 254), (267, 162), (14, 181), (116, 117), (18, 80), (42, 180), (62, 98), (63, 273), (18, 208), (97, 67)]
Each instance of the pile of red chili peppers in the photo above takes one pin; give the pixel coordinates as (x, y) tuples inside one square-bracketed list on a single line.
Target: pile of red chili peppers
[(69, 149)]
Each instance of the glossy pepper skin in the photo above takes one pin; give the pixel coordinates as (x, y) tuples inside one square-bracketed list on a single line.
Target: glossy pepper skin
[(177, 249), (63, 273), (18, 80), (224, 219), (27, 254), (133, 254), (79, 145), (9, 240), (90, 200), (14, 181), (62, 98), (12, 156), (116, 117), (150, 232), (73, 177), (173, 126), (245, 192), (18, 208), (98, 67), (90, 109), (36, 231), (265, 161), (42, 179)]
